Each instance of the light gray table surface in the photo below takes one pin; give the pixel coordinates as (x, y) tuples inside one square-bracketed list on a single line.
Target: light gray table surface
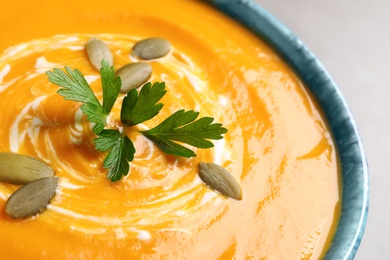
[(352, 39)]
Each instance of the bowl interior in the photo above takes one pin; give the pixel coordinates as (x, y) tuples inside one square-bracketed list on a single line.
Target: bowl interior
[(355, 181)]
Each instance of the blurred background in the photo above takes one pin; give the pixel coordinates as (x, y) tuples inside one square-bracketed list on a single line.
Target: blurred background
[(352, 39)]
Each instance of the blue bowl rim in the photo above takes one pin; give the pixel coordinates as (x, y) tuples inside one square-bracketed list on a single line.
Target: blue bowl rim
[(354, 169)]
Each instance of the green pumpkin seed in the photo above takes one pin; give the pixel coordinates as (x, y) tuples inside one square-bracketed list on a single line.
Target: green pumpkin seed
[(219, 179), (134, 75), (151, 48), (97, 50), (31, 198), (21, 169)]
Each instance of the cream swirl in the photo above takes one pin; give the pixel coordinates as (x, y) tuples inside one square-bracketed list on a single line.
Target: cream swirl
[(159, 190)]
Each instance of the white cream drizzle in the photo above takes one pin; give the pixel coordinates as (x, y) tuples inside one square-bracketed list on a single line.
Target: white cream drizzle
[(75, 48), (91, 78), (188, 71), (120, 233), (6, 69), (180, 213), (195, 182), (91, 231), (65, 183), (208, 197), (17, 136), (198, 84), (76, 130), (143, 235), (32, 75), (52, 149), (133, 59), (35, 128), (149, 155), (5, 86), (13, 51), (104, 221), (42, 65), (4, 72), (184, 70), (221, 154), (223, 101), (69, 39), (3, 196)]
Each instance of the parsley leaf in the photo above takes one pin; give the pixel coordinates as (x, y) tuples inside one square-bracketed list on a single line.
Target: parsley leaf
[(94, 114), (76, 88), (121, 153), (182, 127), (137, 108), (111, 86)]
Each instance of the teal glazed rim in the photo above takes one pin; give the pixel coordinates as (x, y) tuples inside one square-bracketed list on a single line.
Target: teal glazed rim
[(354, 170)]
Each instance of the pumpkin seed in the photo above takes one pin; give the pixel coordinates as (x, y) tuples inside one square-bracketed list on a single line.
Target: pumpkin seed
[(31, 198), (21, 169), (218, 178), (133, 75), (97, 50), (151, 48)]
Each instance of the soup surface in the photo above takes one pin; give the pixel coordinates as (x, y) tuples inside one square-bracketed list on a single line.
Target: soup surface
[(278, 146)]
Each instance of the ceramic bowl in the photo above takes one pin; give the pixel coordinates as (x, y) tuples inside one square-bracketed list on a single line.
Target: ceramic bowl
[(355, 181)]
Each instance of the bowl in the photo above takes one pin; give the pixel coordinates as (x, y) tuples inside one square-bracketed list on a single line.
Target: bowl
[(354, 171)]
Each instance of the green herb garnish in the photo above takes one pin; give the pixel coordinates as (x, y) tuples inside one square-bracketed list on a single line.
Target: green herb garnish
[(76, 88), (140, 108), (121, 152), (182, 127), (137, 107)]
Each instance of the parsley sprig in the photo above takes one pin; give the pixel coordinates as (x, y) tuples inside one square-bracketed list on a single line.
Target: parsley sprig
[(121, 152), (76, 88), (182, 127), (137, 107)]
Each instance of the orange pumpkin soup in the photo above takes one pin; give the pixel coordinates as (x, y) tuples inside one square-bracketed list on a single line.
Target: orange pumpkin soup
[(278, 145)]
